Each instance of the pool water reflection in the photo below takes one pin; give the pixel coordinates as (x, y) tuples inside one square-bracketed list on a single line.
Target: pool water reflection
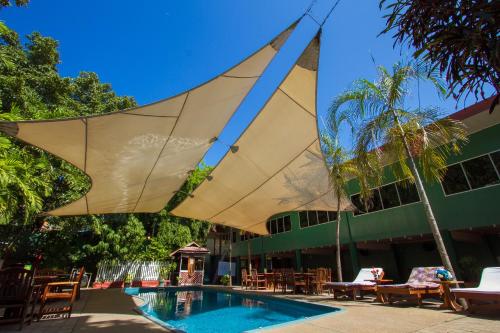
[(204, 310)]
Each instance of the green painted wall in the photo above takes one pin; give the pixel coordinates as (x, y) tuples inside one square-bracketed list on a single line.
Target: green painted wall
[(459, 211)]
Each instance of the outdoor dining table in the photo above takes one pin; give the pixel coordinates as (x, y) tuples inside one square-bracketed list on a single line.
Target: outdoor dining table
[(449, 300), (44, 279), (269, 276), (307, 277), (378, 282)]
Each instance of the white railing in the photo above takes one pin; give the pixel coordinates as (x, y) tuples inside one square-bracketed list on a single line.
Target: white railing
[(140, 270)]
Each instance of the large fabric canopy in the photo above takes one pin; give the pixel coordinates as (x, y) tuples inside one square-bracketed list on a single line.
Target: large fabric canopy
[(278, 166), (137, 158)]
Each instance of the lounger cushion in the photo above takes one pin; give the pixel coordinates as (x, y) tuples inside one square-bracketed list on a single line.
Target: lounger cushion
[(420, 278), (360, 280)]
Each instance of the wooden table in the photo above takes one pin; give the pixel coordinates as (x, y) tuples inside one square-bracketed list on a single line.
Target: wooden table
[(380, 298), (44, 279), (307, 277), (449, 300), (269, 279)]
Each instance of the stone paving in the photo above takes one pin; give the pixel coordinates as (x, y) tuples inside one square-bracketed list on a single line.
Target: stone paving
[(112, 311)]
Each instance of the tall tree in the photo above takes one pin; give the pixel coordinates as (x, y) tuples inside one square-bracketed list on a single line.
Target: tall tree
[(460, 37), (342, 168), (8, 3), (32, 181), (379, 107)]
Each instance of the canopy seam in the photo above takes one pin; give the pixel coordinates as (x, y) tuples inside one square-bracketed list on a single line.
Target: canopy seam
[(161, 151), (241, 77), (148, 115), (293, 209), (267, 180), (300, 105)]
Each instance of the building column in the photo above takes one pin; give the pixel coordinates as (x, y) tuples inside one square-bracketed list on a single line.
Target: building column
[(452, 253), (262, 262), (298, 260), (491, 249), (397, 262), (353, 251), (238, 270)]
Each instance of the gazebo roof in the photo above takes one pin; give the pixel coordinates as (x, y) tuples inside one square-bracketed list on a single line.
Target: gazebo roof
[(191, 248)]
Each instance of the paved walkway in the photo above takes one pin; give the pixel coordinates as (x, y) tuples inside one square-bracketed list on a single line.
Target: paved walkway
[(111, 311)]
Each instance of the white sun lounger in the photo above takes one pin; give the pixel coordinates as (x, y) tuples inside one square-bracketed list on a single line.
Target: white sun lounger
[(487, 291), (360, 283)]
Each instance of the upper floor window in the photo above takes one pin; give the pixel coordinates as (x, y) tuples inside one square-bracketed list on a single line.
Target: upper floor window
[(387, 196), (471, 174), (309, 218), (279, 224), (247, 235)]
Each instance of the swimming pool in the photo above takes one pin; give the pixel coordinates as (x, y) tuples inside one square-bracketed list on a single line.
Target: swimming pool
[(210, 310)]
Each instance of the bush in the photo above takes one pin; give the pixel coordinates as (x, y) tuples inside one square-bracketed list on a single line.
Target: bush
[(225, 280)]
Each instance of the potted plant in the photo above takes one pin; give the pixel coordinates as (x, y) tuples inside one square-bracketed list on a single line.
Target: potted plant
[(97, 283), (164, 274), (128, 280), (224, 280), (470, 270)]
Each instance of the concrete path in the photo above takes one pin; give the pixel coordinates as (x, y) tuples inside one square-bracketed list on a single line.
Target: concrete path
[(112, 311), (107, 311)]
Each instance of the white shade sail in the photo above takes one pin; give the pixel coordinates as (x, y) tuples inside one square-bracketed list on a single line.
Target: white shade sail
[(278, 166), (137, 158)]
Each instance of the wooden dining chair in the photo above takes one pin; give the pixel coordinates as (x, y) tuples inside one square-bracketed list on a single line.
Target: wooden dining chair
[(245, 279), (258, 281), (16, 296), (66, 291)]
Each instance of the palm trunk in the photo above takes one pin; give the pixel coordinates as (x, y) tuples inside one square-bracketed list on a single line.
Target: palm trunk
[(425, 202), (337, 239)]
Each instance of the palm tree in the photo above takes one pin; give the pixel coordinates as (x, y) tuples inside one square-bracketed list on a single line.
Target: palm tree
[(342, 168), (387, 126)]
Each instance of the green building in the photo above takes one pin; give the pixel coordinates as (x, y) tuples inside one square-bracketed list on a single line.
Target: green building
[(394, 233)]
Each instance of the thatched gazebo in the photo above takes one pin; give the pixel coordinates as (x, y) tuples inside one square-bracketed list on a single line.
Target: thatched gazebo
[(191, 264)]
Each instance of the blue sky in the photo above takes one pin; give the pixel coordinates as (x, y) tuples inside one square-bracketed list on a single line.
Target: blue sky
[(154, 49)]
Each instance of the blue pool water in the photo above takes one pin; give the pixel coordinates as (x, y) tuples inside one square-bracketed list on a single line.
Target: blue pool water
[(205, 310)]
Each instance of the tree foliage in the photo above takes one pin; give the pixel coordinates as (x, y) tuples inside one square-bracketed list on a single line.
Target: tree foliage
[(399, 135), (32, 181), (458, 37), (8, 3)]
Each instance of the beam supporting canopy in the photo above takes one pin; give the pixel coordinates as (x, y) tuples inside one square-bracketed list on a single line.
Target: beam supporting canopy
[(137, 158), (279, 165)]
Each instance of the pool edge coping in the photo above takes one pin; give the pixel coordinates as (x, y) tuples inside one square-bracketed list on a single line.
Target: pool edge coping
[(235, 291)]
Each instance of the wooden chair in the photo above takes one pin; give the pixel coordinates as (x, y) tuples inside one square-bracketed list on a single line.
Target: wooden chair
[(16, 296), (296, 282), (245, 279), (419, 284), (60, 291), (278, 280), (258, 281), (318, 281)]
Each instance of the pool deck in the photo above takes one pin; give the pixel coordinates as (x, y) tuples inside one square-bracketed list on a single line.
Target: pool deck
[(111, 311)]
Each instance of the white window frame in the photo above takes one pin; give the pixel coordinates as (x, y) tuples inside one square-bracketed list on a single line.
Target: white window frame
[(317, 224), (467, 178), (382, 203)]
